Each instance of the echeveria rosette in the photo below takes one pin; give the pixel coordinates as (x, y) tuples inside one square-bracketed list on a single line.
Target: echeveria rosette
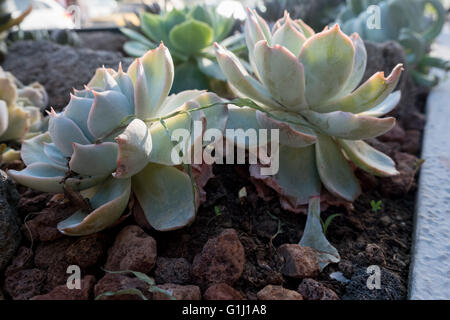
[(189, 34), (404, 21), (20, 115), (91, 147), (309, 83)]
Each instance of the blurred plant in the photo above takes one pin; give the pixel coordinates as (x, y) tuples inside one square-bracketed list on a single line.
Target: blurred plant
[(20, 112), (113, 138), (60, 36), (6, 23), (306, 86), (316, 13), (415, 24), (189, 34)]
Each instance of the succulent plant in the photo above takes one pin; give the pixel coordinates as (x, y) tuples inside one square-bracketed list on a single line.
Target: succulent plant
[(7, 22), (113, 138), (405, 21), (306, 85), (20, 115), (189, 34)]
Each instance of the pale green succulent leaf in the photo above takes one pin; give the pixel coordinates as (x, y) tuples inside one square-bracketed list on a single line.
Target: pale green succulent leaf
[(334, 170), (191, 36), (108, 110), (78, 110), (94, 159), (282, 74), (370, 94), (155, 69), (211, 68), (136, 48), (165, 195), (33, 149), (108, 203), (152, 26), (359, 65), (349, 126), (134, 147), (3, 117), (53, 154), (18, 124), (327, 58), (288, 135), (8, 91), (175, 101), (368, 158), (138, 37), (239, 78), (242, 118), (314, 237), (385, 107), (289, 36)]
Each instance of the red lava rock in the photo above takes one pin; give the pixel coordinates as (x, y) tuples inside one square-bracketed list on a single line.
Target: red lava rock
[(388, 148), (400, 185), (412, 142), (179, 292), (63, 293), (115, 282), (51, 256), (24, 284), (299, 262), (133, 250), (2, 296), (272, 292), (172, 270), (43, 226), (23, 260), (221, 261), (311, 289), (367, 181), (415, 121), (87, 251), (222, 291), (396, 134), (32, 201)]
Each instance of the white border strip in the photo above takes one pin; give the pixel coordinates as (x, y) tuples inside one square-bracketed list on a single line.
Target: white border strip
[(430, 265)]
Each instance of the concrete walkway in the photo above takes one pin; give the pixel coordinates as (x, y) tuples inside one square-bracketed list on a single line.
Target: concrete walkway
[(430, 265)]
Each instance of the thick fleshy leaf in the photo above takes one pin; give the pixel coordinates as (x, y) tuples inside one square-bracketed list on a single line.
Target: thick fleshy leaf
[(210, 68), (64, 132), (328, 59), (349, 126), (135, 146), (109, 202), (307, 30), (125, 85), (255, 30), (314, 237), (174, 101), (8, 91), (370, 94), (244, 119), (33, 149), (359, 65), (238, 76), (287, 134), (108, 111), (385, 107), (289, 37), (94, 159), (78, 110), (18, 124), (46, 177), (103, 79), (282, 75), (297, 177), (137, 36), (9, 156), (158, 73), (216, 116), (191, 36), (3, 117), (166, 196), (369, 159), (163, 146), (334, 170), (54, 155), (33, 94)]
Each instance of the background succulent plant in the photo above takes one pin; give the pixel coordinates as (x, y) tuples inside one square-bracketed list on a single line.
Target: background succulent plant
[(307, 86), (7, 22), (20, 112), (415, 24), (109, 142), (189, 34)]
